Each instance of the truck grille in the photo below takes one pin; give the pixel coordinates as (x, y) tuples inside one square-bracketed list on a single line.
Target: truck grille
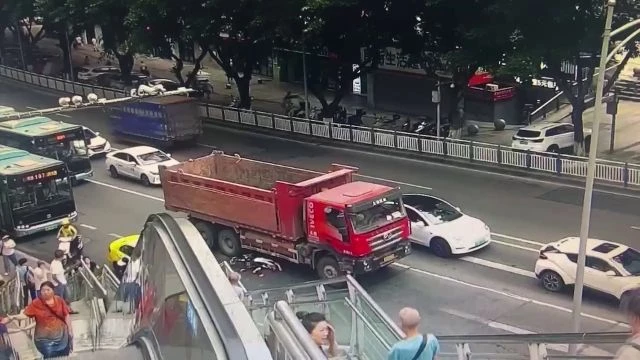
[(385, 239)]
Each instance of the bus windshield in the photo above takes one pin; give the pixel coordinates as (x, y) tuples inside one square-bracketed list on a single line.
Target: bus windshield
[(64, 151), (377, 216), (28, 197)]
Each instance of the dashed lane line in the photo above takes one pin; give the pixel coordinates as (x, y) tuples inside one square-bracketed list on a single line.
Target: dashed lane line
[(115, 235), (514, 246), (125, 190), (519, 239), (506, 294), (88, 227), (498, 266)]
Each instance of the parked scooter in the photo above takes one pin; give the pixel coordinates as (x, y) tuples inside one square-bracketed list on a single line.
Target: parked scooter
[(72, 248)]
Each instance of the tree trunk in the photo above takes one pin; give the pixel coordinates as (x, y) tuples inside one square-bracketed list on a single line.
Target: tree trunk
[(456, 112), (243, 90), (66, 55), (577, 111), (125, 61), (177, 69)]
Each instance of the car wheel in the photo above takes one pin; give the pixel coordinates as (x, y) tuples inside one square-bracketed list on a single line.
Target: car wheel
[(553, 149), (552, 281), (113, 171), (145, 180), (440, 247)]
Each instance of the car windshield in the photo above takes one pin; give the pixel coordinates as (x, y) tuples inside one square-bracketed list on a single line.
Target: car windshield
[(377, 216), (88, 134), (64, 151), (436, 211), (528, 133), (153, 158), (32, 196), (630, 261)]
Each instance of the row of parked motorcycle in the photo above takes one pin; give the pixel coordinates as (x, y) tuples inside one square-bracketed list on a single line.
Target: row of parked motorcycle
[(295, 106)]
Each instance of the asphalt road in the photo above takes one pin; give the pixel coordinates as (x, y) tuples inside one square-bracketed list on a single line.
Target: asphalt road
[(491, 291)]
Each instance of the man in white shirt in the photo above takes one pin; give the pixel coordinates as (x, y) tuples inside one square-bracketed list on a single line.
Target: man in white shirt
[(234, 279), (8, 254), (631, 305), (59, 278)]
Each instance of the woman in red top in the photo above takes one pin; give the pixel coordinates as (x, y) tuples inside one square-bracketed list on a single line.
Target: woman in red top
[(53, 332)]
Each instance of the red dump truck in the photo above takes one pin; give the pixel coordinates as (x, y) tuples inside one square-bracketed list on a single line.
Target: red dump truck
[(328, 221)]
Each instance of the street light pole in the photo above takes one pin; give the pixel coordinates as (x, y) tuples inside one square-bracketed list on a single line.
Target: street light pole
[(306, 91), (438, 109), (591, 170)]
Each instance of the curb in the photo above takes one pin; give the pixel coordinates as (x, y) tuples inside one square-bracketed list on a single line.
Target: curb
[(217, 123)]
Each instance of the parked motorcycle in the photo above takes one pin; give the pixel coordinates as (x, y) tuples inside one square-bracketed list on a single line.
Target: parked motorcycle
[(72, 246)]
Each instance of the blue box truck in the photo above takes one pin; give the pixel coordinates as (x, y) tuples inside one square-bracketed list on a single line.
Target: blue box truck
[(162, 121)]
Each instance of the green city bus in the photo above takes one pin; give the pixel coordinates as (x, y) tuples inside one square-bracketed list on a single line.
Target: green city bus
[(53, 139), (35, 195)]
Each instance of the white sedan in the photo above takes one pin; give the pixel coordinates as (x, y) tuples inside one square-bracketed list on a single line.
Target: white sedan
[(444, 228), (97, 144), (139, 162)]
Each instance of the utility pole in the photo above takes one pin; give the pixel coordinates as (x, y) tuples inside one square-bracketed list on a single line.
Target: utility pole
[(591, 170)]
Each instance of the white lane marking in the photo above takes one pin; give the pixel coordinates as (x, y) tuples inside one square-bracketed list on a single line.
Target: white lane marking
[(583, 350), (63, 115), (423, 272), (506, 294), (514, 245), (635, 227), (518, 239), (125, 190), (115, 235), (88, 226), (498, 266), (395, 182), (431, 163)]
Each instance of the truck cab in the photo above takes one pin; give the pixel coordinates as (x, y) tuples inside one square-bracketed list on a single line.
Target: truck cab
[(365, 224)]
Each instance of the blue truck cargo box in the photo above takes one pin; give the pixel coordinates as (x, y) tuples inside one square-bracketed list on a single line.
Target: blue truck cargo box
[(163, 120)]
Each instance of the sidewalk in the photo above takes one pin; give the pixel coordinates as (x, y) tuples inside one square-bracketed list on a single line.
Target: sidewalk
[(268, 96)]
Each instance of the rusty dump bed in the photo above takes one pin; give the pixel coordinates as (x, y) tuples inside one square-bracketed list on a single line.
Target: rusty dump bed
[(247, 193)]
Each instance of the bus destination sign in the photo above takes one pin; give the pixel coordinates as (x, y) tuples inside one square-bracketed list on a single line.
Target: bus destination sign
[(44, 175)]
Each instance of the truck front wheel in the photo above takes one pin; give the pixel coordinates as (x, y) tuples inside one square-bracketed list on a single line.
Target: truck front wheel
[(328, 267), (229, 243)]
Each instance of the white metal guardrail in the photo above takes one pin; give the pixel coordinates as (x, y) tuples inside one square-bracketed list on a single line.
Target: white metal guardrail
[(612, 172)]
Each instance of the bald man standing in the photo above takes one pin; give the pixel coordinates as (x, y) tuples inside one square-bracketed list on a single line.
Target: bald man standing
[(415, 345)]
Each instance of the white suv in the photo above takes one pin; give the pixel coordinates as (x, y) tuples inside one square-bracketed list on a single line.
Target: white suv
[(610, 268), (548, 137)]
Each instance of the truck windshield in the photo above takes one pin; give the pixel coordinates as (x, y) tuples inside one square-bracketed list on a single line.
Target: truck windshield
[(377, 215), (64, 151), (29, 197)]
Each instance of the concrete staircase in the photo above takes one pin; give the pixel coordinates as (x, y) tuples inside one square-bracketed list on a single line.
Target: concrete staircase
[(628, 89)]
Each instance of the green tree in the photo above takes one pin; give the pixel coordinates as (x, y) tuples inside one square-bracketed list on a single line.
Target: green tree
[(352, 33), (159, 24), (240, 35), (455, 38), (559, 33)]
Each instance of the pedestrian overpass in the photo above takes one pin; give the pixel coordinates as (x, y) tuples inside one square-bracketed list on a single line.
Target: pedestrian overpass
[(188, 310)]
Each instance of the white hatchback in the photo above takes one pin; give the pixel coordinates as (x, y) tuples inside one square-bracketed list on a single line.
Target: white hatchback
[(444, 228), (547, 137), (97, 144), (139, 162), (611, 268), (88, 73)]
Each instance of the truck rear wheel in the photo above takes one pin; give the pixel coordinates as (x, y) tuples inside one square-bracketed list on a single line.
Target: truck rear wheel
[(328, 267), (229, 243), (207, 232)]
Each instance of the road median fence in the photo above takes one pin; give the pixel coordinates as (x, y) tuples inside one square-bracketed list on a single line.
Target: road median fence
[(612, 172)]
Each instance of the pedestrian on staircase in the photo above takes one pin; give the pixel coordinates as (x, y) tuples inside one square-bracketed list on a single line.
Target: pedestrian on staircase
[(53, 334), (8, 252), (631, 306)]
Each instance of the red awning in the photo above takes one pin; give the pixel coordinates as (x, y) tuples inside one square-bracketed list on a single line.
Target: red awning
[(480, 79)]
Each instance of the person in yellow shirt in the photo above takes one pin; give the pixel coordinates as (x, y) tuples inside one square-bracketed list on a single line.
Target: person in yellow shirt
[(67, 230)]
